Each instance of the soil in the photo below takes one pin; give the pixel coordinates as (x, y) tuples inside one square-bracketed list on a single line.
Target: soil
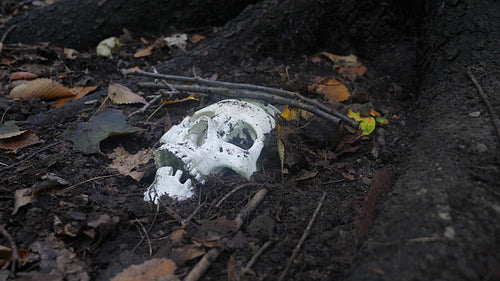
[(417, 199)]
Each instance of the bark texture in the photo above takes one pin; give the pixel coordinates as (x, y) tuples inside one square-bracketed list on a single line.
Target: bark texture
[(82, 24)]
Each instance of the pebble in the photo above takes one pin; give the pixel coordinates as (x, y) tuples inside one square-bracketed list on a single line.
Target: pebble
[(475, 114), (481, 148)]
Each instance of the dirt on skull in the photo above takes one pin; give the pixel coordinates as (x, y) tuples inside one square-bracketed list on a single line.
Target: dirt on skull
[(399, 201)]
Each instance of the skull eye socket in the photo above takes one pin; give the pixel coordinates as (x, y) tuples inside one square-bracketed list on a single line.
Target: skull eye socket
[(198, 133), (242, 135)]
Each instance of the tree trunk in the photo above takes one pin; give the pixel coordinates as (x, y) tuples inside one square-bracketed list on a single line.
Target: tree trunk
[(82, 24)]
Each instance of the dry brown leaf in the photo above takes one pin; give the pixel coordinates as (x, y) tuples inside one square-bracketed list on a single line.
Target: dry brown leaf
[(21, 199), (43, 88), (123, 95), (144, 52), (176, 236), (331, 88), (70, 53), (18, 141), (21, 75), (150, 270), (127, 164), (349, 60), (186, 253)]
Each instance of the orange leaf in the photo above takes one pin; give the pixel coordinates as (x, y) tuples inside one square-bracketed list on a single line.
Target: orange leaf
[(121, 94), (21, 75), (151, 270), (144, 52), (195, 38), (331, 88), (42, 88), (79, 92)]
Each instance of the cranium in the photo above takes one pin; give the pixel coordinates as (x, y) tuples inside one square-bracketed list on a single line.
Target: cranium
[(226, 135)]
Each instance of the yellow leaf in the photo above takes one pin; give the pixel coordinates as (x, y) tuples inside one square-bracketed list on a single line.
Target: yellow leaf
[(287, 113), (367, 125), (354, 115)]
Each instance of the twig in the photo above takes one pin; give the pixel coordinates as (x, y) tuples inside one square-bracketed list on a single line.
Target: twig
[(250, 87), (193, 214), (147, 238), (238, 93), (145, 107), (30, 156), (483, 95), (5, 36), (302, 239), (89, 180), (15, 256), (254, 258), (233, 191), (213, 253)]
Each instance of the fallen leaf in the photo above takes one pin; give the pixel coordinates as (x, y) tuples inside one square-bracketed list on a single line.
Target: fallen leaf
[(150, 270), (367, 124), (382, 120), (186, 253), (176, 236), (215, 229), (306, 175), (70, 53), (348, 66), (178, 40), (6, 254), (331, 88), (42, 88), (14, 139), (21, 199), (123, 95), (195, 38), (144, 52), (108, 46), (128, 164), (86, 136), (296, 114), (79, 92), (349, 60), (21, 75)]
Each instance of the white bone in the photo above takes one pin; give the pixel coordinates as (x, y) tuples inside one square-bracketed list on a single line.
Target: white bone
[(201, 144)]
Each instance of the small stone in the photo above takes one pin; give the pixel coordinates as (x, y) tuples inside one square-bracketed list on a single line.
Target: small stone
[(475, 114), (481, 148), (449, 232)]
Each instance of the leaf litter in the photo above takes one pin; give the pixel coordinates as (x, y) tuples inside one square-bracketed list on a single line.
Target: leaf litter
[(102, 197)]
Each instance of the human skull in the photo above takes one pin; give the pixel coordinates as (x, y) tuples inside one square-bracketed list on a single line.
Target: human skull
[(226, 135)]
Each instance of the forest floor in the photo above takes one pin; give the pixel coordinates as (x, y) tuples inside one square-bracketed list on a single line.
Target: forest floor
[(96, 224)]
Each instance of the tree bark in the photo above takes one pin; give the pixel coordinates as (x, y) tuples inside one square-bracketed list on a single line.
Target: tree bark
[(82, 24)]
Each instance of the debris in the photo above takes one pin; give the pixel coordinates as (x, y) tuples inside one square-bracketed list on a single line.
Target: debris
[(178, 40), (86, 136), (128, 164), (107, 47), (42, 88), (331, 88), (122, 95), (151, 270)]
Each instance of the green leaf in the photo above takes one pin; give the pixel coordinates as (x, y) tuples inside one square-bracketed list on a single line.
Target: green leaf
[(87, 136), (382, 120)]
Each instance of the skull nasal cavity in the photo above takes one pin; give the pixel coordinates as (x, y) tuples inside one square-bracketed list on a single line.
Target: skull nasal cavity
[(198, 133)]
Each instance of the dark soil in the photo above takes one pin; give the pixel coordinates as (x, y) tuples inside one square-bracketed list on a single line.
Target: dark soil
[(417, 199)]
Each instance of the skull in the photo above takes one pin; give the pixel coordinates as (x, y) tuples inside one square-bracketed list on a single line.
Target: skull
[(226, 135)]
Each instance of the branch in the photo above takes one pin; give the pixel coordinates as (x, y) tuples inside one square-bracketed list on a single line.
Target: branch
[(250, 88), (212, 255), (302, 239)]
